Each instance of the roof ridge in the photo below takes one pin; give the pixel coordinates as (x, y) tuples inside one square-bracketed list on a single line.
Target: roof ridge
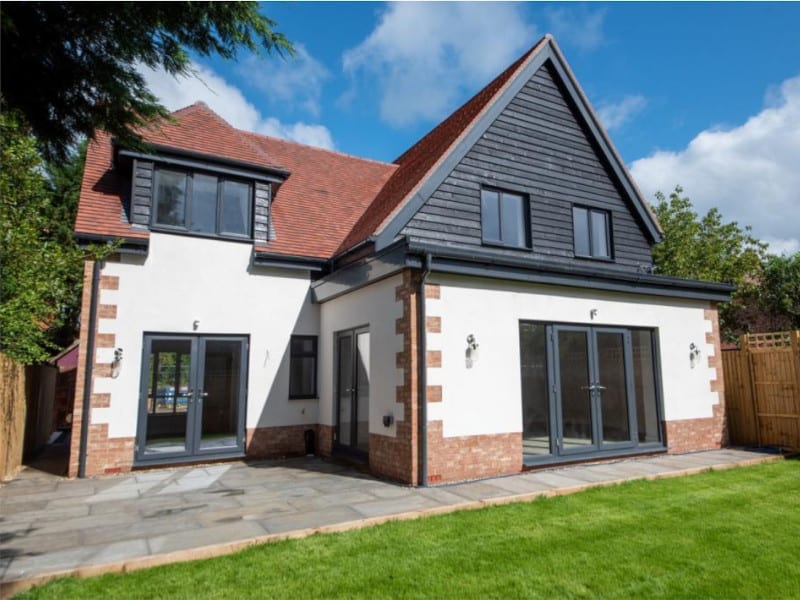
[(317, 148)]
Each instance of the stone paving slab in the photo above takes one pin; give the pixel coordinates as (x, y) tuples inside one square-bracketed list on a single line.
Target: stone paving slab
[(52, 528)]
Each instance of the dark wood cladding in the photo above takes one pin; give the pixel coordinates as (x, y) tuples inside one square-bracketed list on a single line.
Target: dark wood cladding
[(537, 146), (142, 192), (261, 220)]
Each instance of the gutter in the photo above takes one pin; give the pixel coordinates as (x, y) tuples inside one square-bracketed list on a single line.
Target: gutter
[(422, 377), (87, 380)]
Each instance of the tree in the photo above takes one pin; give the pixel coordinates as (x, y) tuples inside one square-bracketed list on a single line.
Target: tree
[(70, 68), (708, 249), (779, 292), (38, 270)]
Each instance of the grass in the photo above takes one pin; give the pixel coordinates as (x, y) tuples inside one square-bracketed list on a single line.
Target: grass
[(722, 534)]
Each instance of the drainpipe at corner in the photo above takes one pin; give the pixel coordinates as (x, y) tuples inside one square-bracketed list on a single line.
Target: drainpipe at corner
[(422, 377), (87, 380)]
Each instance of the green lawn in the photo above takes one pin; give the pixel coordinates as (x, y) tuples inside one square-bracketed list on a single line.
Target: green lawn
[(726, 534)]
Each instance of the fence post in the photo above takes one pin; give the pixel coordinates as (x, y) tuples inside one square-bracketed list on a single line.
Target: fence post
[(794, 336)]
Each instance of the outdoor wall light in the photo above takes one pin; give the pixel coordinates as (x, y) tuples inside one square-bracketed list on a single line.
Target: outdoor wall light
[(472, 351), (593, 314), (388, 420), (694, 354), (116, 364), (195, 325)]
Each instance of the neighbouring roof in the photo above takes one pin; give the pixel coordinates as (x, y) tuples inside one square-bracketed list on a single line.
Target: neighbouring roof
[(330, 202)]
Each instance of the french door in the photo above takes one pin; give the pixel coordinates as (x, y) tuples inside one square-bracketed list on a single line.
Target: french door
[(594, 389), (587, 390), (352, 391), (192, 400)]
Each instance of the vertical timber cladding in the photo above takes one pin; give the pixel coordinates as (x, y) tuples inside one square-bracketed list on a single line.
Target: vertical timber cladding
[(537, 146), (691, 435)]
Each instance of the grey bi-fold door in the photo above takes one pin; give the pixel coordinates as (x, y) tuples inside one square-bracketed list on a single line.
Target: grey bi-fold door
[(192, 397)]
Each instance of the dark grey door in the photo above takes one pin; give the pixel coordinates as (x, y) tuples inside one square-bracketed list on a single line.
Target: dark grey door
[(193, 394), (352, 390), (593, 389)]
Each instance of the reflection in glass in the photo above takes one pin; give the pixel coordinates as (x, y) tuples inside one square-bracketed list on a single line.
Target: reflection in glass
[(168, 395), (235, 207), (171, 198), (219, 395), (362, 392), (576, 409), (345, 390), (614, 392), (204, 204), (535, 401), (644, 377)]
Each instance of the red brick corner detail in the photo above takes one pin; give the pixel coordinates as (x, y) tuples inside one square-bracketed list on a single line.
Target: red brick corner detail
[(710, 433)]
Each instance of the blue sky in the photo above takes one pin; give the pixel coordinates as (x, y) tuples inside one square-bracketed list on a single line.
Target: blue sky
[(706, 95)]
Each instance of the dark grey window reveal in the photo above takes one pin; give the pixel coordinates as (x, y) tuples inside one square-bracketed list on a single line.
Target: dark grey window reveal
[(202, 203), (303, 366), (504, 218), (592, 231)]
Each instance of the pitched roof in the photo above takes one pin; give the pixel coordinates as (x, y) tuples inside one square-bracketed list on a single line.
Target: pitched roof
[(312, 211), (323, 197), (422, 158)]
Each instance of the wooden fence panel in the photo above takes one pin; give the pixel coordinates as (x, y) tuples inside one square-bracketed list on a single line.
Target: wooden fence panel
[(12, 416), (762, 382), (742, 423)]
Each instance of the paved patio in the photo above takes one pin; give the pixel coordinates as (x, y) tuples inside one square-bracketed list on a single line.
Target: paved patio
[(51, 526)]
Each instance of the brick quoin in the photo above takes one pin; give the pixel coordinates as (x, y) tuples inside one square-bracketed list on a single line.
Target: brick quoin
[(396, 457), (691, 435)]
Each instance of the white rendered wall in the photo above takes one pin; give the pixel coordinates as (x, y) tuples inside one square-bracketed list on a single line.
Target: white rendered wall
[(486, 398), (184, 279), (373, 306)]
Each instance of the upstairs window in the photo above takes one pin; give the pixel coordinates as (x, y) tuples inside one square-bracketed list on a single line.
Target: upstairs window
[(592, 232), (504, 218), (202, 204), (303, 366)]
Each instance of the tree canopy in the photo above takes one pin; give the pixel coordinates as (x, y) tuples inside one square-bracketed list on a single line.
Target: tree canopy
[(70, 68), (708, 248)]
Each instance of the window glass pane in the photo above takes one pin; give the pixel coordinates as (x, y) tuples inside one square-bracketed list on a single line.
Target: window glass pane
[(600, 234), (644, 377), (171, 198), (302, 366), (513, 220), (490, 215), (535, 397), (235, 208), (580, 228), (204, 204)]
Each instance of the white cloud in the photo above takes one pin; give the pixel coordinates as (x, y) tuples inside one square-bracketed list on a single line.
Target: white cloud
[(750, 172), (296, 82), (579, 27), (228, 102), (615, 115), (425, 55)]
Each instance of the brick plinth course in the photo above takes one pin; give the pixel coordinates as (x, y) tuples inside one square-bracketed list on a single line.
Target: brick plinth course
[(275, 442)]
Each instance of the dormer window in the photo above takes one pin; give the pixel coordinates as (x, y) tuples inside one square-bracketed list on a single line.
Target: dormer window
[(200, 203)]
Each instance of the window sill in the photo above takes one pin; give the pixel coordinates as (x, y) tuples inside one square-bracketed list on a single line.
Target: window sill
[(594, 258), (314, 397), (503, 246), (206, 236)]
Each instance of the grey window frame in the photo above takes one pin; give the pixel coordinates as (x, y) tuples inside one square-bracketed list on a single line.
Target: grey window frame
[(526, 214), (609, 233), (313, 354), (218, 233)]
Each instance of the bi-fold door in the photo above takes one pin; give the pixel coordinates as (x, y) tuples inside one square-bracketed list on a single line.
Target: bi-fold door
[(587, 390), (192, 401)]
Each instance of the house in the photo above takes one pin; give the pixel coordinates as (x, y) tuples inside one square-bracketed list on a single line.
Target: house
[(485, 302)]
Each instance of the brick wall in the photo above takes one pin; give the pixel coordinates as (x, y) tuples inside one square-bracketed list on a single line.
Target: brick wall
[(274, 442), (104, 455), (690, 435), (396, 457)]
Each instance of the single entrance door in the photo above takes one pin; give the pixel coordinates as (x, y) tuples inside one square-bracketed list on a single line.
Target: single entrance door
[(352, 397), (192, 397), (593, 389)]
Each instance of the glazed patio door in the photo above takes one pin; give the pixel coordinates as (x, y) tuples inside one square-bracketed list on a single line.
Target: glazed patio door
[(192, 397), (352, 393), (593, 389)]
